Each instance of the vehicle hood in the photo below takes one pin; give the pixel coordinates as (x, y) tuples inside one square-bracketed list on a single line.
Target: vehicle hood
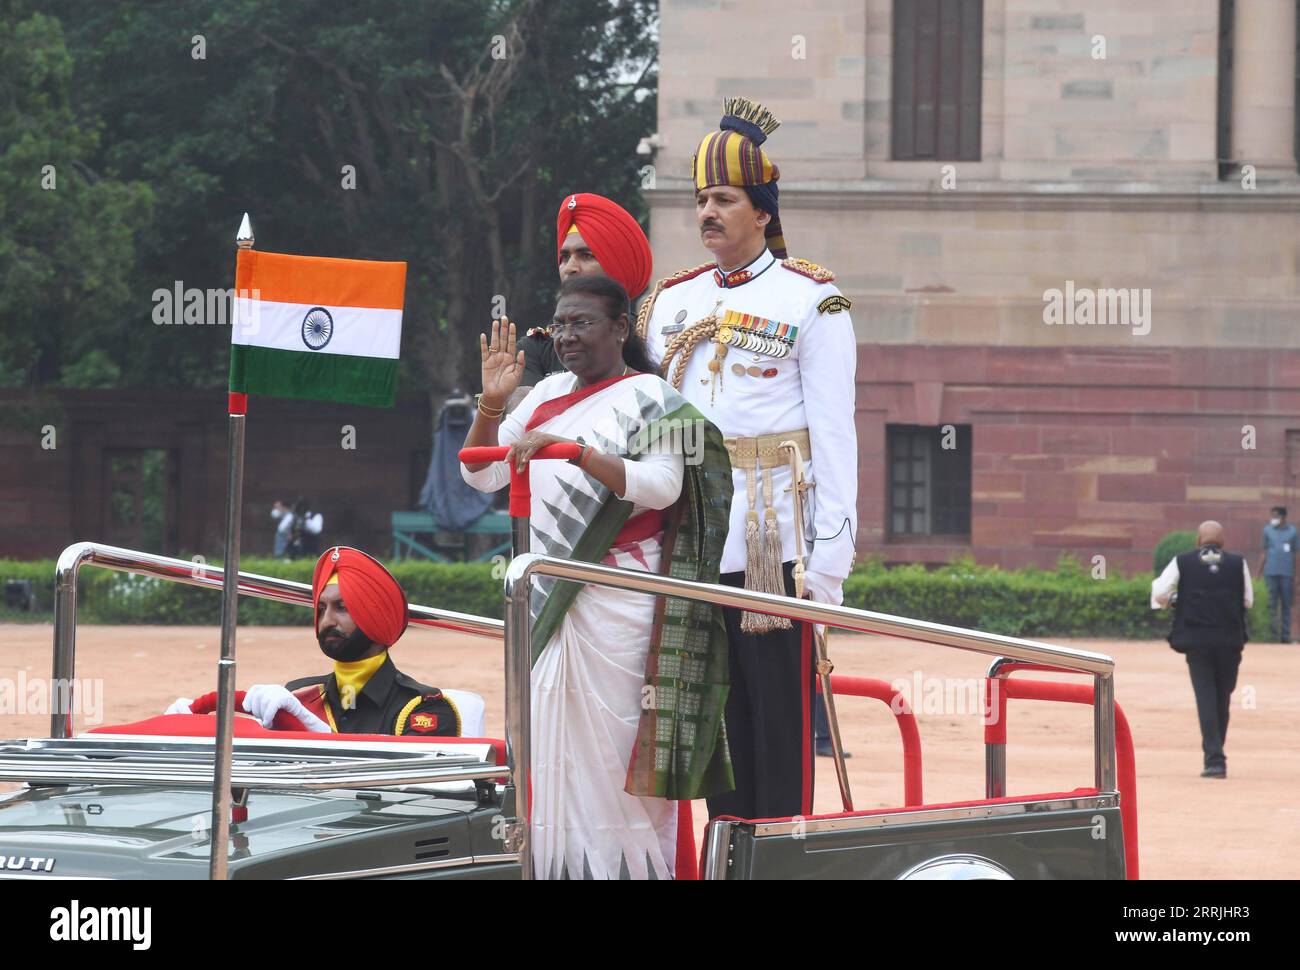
[(138, 832)]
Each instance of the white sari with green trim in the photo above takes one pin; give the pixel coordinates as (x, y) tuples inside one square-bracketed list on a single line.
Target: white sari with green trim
[(589, 677)]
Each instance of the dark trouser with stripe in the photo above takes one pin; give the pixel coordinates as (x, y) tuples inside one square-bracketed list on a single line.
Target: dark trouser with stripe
[(768, 717), (1214, 677)]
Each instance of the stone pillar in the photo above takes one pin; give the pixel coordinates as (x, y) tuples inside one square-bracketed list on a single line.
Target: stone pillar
[(1263, 87)]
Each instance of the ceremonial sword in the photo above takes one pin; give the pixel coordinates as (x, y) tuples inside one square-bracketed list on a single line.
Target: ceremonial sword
[(799, 486)]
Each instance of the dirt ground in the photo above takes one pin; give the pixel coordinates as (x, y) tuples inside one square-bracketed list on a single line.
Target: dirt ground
[(1245, 827)]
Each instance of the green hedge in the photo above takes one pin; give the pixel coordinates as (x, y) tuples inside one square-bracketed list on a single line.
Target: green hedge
[(1173, 544), (1062, 602), (1065, 602), (104, 596)]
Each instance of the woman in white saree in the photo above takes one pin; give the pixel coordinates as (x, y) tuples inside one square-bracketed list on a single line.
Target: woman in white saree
[(606, 763)]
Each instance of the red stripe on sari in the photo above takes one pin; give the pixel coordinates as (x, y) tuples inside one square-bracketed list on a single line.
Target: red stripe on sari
[(557, 406), (640, 527)]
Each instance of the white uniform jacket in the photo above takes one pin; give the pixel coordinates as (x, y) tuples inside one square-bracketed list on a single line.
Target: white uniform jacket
[(758, 393)]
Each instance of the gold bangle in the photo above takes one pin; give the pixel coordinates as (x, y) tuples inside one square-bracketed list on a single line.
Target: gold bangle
[(488, 412)]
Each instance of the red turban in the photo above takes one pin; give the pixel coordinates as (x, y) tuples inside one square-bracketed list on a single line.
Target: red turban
[(370, 592), (614, 237)]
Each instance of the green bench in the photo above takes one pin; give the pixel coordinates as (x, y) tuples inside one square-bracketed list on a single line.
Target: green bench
[(408, 527)]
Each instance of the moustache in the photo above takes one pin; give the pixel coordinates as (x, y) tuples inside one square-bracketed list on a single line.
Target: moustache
[(711, 225)]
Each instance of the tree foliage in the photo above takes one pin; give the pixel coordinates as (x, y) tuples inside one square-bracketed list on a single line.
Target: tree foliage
[(442, 133), (67, 242)]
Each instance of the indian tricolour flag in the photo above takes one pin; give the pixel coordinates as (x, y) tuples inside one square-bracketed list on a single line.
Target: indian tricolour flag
[(316, 328)]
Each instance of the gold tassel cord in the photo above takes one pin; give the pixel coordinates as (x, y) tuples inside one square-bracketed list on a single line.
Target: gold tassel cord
[(753, 552), (798, 488), (762, 559), (647, 308), (683, 345), (715, 365), (773, 582)]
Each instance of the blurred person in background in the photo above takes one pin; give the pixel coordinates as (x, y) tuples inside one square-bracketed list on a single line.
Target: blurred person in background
[(1210, 592), (1277, 563), (283, 517), (304, 531)]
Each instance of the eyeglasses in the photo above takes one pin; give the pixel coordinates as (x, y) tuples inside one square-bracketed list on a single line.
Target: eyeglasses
[(577, 328)]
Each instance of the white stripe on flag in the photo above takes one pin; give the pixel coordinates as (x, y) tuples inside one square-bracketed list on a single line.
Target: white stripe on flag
[(357, 331)]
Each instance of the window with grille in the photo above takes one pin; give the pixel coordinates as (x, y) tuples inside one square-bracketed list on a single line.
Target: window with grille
[(929, 480), (938, 50)]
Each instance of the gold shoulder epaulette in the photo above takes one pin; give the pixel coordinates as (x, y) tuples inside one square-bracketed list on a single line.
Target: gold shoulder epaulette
[(682, 275), (809, 269), (648, 304)]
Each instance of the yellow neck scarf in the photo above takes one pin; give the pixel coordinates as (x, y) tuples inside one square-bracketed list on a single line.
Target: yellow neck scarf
[(352, 676)]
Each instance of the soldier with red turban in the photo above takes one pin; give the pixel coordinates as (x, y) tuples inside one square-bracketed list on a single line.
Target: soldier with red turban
[(594, 236), (360, 612)]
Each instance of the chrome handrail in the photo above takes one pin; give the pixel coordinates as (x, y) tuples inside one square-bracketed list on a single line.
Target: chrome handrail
[(192, 573), (518, 633), (105, 760), (1103, 729)]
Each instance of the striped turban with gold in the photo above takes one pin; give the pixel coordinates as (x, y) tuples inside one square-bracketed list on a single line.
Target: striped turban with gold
[(734, 155)]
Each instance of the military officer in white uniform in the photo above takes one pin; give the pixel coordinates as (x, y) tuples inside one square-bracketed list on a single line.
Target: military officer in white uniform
[(764, 347)]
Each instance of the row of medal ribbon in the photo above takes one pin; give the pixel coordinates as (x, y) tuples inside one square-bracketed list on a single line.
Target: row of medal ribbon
[(756, 334)]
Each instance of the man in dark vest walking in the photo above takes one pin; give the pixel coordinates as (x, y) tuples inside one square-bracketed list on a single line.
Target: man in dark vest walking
[(1210, 592)]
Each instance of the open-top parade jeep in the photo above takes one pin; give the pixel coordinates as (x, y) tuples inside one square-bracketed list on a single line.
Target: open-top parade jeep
[(136, 800)]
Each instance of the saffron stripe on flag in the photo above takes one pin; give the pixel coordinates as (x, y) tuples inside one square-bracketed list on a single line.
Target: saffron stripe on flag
[(345, 378), (321, 280)]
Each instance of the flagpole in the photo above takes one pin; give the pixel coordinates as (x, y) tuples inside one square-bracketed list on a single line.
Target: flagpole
[(222, 800)]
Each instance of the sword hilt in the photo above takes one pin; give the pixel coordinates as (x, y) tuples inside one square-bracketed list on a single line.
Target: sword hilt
[(797, 487)]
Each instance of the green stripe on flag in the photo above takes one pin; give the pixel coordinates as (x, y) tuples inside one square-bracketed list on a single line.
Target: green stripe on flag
[(314, 377)]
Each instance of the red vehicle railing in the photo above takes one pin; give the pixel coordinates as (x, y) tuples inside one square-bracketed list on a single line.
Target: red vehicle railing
[(999, 688), (845, 685)]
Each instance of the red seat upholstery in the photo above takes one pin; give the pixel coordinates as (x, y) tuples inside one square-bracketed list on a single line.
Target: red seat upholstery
[(205, 726)]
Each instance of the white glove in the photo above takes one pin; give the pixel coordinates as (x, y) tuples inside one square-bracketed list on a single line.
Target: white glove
[(823, 588), (264, 700), (180, 706)]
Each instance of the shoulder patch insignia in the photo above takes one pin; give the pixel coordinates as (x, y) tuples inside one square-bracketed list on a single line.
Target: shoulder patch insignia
[(681, 276), (809, 269), (423, 723), (834, 304)]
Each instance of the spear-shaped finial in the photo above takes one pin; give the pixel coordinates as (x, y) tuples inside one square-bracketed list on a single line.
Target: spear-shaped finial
[(244, 238)]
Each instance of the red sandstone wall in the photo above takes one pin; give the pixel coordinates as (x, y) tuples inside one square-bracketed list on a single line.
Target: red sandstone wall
[(1086, 451), (49, 499)]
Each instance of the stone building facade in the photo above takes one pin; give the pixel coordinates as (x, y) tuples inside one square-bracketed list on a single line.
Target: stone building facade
[(973, 170)]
